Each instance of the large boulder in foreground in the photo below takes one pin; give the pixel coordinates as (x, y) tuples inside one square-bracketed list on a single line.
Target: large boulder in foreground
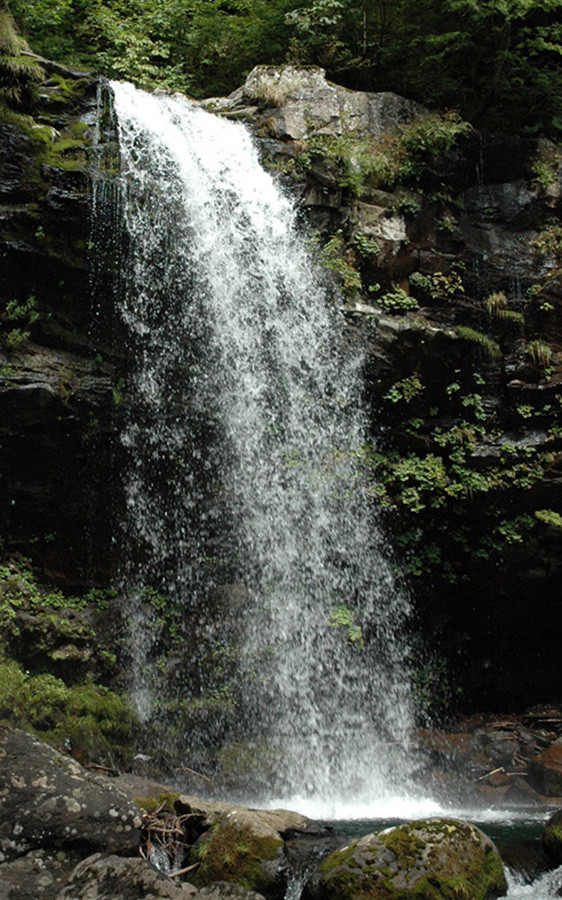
[(48, 799), (441, 859), (552, 837)]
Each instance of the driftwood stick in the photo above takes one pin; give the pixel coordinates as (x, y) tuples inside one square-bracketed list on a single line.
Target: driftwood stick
[(493, 772), (193, 772), (184, 871)]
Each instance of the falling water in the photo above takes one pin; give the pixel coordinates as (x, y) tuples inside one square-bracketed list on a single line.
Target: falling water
[(245, 505)]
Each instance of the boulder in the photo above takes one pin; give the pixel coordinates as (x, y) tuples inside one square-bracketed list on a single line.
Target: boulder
[(438, 858), (224, 890), (105, 877), (40, 874), (212, 812), (300, 102), (240, 848), (552, 837), (48, 799)]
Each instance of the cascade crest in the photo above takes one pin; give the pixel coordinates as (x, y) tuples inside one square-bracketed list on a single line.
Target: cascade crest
[(245, 505)]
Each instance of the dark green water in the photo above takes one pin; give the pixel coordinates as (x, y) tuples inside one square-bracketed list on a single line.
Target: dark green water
[(504, 832)]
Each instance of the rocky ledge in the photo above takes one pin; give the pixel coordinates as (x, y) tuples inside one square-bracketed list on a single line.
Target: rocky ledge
[(68, 834)]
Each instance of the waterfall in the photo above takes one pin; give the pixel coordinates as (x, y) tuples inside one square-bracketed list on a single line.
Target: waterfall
[(245, 507)]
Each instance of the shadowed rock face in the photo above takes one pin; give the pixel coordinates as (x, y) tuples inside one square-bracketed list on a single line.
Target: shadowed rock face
[(57, 368)]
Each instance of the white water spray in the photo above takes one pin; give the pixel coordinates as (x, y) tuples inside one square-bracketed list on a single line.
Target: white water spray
[(245, 505)]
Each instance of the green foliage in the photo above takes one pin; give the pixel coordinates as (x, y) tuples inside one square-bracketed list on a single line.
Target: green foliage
[(430, 490), (539, 352), (19, 75), (22, 312), (15, 338), (98, 722), (118, 392), (366, 246), (18, 590), (420, 282), (343, 617), (337, 257), (405, 390), (549, 517), (399, 158), (398, 301), (46, 705), (488, 345), (197, 46), (26, 315), (438, 285), (544, 169), (498, 62), (548, 242)]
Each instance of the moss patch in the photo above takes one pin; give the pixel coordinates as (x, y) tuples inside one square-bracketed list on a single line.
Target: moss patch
[(433, 860), (49, 653), (235, 852), (164, 802)]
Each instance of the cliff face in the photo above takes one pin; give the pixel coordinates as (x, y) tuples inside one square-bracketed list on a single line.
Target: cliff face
[(447, 247), (56, 366)]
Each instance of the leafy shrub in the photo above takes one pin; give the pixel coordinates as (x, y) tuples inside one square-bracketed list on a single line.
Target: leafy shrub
[(19, 75), (406, 389), (398, 158), (548, 242), (398, 301), (540, 353), (338, 258)]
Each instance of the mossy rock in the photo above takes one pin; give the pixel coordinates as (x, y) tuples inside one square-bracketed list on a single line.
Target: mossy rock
[(552, 837), (96, 724), (240, 849), (164, 802), (435, 859)]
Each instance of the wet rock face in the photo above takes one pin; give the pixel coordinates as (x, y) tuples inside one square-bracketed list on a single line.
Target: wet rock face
[(56, 368), (547, 769), (47, 799), (441, 858)]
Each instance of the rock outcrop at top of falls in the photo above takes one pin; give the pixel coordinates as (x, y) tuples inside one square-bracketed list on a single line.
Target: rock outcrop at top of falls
[(446, 247)]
